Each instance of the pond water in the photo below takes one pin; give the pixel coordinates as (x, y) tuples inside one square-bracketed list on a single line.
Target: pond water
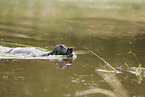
[(119, 42)]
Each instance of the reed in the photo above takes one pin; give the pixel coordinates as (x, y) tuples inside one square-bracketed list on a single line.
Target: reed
[(109, 65)]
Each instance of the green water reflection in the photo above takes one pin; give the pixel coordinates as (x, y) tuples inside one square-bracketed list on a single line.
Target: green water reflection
[(112, 39)]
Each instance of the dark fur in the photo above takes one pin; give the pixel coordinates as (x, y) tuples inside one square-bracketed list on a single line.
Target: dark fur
[(59, 49)]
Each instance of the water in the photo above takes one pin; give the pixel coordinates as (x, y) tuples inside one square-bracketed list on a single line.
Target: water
[(88, 76)]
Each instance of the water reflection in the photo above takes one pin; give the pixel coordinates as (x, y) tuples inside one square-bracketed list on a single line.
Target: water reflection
[(65, 63), (113, 82)]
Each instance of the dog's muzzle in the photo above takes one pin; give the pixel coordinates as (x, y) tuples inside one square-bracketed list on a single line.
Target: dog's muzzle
[(69, 51)]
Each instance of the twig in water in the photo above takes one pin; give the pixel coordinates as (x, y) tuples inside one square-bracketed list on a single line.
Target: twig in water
[(126, 65), (130, 52), (102, 60)]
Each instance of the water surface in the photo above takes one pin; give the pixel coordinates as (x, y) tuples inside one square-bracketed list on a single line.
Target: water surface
[(88, 76)]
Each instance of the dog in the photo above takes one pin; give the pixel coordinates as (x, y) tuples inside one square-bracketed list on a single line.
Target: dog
[(59, 49)]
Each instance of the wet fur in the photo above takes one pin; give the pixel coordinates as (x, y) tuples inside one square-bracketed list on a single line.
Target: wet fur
[(59, 49)]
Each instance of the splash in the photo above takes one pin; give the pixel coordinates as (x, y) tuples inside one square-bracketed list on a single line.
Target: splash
[(5, 55)]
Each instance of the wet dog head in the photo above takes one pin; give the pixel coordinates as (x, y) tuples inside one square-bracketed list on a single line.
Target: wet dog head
[(62, 50)]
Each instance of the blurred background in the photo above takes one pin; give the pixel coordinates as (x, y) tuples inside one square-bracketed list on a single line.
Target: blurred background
[(113, 29)]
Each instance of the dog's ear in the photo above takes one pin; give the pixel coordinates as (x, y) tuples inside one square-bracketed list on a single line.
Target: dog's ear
[(61, 46)]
